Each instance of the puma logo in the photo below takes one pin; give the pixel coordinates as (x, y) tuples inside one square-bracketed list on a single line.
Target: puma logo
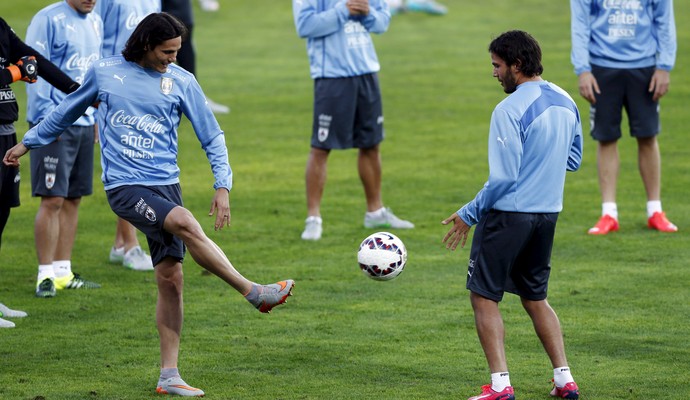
[(502, 140), (121, 79)]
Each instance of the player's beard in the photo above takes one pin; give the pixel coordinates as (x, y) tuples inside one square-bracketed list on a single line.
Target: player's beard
[(509, 82)]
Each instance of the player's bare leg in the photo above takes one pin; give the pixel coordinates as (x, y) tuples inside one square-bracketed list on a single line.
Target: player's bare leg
[(315, 176), (491, 332), (169, 310), (649, 163), (369, 167), (548, 329), (181, 223), (608, 164)]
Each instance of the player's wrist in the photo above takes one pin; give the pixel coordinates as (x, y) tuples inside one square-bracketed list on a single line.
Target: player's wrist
[(15, 72)]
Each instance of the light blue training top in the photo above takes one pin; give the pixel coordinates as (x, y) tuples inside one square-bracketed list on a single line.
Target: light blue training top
[(534, 137), (622, 34), (340, 45), (138, 116), (120, 17), (70, 40)]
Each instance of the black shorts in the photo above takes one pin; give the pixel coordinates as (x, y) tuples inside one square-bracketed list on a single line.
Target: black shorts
[(511, 252), (146, 207), (347, 113), (64, 168), (9, 176), (624, 89)]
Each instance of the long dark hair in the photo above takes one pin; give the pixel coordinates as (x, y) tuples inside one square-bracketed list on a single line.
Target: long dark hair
[(518, 47), (153, 30)]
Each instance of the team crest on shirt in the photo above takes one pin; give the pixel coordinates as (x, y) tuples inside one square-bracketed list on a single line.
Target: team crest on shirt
[(50, 180), (166, 85)]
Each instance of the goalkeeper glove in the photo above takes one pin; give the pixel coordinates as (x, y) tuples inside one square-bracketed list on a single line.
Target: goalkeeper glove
[(25, 69)]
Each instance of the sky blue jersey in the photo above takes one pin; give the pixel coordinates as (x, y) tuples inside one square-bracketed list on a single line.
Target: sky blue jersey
[(622, 34), (72, 41), (139, 112), (120, 17), (339, 45), (534, 137)]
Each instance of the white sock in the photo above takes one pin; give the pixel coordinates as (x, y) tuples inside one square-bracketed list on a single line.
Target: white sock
[(45, 272), (377, 213), (499, 381), (653, 206), (562, 376), (62, 268), (610, 208)]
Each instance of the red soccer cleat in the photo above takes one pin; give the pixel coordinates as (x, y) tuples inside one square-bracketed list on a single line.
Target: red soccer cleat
[(569, 391), (490, 394), (659, 222), (605, 225)]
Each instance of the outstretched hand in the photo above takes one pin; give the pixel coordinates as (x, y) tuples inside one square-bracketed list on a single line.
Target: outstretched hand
[(221, 207), (457, 233), (11, 158)]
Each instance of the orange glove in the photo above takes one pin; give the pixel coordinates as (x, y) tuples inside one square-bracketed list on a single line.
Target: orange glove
[(25, 69)]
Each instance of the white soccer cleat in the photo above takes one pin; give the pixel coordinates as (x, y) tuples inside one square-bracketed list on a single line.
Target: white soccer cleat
[(312, 228), (386, 220), (137, 260)]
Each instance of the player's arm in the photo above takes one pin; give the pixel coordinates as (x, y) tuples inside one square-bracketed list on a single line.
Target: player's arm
[(378, 17), (311, 23), (46, 69), (212, 140)]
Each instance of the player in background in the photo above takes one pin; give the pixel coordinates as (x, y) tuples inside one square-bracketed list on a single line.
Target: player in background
[(70, 35), (138, 119), (343, 61), (18, 61), (120, 17), (535, 136), (623, 53), (182, 10)]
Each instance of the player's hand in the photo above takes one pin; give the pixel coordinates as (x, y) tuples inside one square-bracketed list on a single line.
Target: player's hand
[(588, 86), (457, 233), (659, 84), (11, 158), (358, 7), (29, 68), (221, 207)]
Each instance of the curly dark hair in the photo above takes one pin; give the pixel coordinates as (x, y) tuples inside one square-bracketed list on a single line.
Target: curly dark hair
[(153, 30), (521, 49)]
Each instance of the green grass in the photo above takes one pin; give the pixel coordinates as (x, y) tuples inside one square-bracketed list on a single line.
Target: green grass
[(622, 299)]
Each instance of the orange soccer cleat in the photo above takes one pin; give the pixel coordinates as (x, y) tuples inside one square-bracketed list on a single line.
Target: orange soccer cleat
[(605, 225), (659, 222)]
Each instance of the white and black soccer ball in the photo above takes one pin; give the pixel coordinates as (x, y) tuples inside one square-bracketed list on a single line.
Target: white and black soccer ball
[(382, 256)]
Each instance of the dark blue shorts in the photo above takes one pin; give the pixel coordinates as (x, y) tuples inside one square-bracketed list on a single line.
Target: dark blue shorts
[(511, 252), (347, 113), (146, 207), (64, 168), (9, 176), (623, 89)]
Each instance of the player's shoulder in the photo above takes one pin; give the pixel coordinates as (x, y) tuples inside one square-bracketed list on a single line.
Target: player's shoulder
[(180, 74), (109, 63), (55, 11)]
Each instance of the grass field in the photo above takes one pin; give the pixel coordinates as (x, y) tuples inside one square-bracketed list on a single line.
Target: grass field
[(622, 299)]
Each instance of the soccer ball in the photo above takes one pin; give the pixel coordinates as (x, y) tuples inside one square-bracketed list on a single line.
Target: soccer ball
[(382, 256)]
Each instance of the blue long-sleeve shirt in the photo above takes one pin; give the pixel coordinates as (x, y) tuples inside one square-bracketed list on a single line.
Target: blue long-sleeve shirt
[(534, 138), (139, 112), (340, 45), (70, 40), (622, 34)]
